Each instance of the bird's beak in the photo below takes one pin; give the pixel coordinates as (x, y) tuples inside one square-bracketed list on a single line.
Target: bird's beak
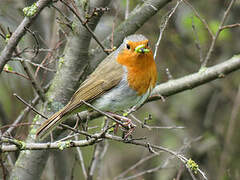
[(141, 49)]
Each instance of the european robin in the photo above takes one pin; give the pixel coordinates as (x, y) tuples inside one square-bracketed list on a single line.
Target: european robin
[(124, 79)]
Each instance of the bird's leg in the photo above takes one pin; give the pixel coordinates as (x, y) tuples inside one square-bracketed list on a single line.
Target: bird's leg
[(127, 123)]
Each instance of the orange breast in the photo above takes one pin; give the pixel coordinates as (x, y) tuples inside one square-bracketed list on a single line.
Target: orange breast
[(142, 71)]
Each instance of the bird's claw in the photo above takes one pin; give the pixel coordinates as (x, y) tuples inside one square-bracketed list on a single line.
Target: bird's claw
[(128, 125)]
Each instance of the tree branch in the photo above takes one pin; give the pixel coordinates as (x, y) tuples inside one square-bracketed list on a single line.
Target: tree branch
[(134, 21), (6, 54), (199, 78), (43, 146)]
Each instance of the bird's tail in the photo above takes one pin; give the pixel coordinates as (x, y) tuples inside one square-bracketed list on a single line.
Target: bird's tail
[(50, 124)]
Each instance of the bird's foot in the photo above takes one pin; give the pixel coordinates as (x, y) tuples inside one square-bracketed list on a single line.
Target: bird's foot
[(127, 124)]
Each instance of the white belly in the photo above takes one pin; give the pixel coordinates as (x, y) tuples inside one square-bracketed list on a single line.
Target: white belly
[(121, 97)]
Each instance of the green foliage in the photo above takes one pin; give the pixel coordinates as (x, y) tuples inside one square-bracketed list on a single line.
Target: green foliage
[(224, 35), (30, 10), (190, 20)]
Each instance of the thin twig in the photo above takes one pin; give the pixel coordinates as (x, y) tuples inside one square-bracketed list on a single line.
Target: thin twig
[(22, 115), (35, 84), (127, 9), (163, 26), (25, 111), (84, 24), (141, 161), (229, 135), (7, 52), (43, 146), (98, 154), (34, 64), (18, 74), (179, 156), (4, 174), (80, 157), (230, 26), (36, 40), (103, 113), (200, 18), (49, 55), (30, 106), (215, 37), (194, 80), (155, 127), (17, 125), (197, 41)]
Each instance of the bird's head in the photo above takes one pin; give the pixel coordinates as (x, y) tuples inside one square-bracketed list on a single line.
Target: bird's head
[(135, 51)]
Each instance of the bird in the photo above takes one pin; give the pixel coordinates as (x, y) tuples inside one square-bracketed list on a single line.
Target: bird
[(124, 79)]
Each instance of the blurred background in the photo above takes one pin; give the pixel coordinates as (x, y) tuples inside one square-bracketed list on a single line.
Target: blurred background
[(209, 113)]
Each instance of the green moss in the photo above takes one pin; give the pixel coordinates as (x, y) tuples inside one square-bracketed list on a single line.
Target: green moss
[(36, 118), (64, 145), (74, 25), (7, 37), (55, 106), (61, 62), (192, 165), (188, 20), (202, 69), (30, 10), (22, 144)]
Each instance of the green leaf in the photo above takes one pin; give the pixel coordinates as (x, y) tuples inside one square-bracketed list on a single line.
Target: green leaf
[(224, 34)]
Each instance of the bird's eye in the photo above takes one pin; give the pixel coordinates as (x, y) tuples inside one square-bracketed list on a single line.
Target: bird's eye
[(127, 46)]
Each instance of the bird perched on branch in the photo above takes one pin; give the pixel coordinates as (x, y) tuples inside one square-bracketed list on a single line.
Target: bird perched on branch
[(122, 80)]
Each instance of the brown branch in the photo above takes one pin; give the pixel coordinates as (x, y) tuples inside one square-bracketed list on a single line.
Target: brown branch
[(141, 161), (230, 26), (75, 12), (30, 106), (226, 152), (36, 40), (7, 52), (200, 18), (44, 146), (14, 72), (18, 145), (214, 38), (17, 125), (4, 174), (34, 82), (135, 20), (81, 160), (34, 64), (163, 25), (160, 148), (199, 78), (24, 112), (103, 113)]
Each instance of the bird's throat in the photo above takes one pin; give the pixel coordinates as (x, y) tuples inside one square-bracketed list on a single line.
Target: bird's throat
[(142, 76)]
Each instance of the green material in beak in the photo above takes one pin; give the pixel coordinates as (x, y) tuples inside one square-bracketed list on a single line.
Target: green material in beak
[(141, 49)]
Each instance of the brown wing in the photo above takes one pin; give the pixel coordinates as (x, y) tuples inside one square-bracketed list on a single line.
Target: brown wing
[(106, 76)]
